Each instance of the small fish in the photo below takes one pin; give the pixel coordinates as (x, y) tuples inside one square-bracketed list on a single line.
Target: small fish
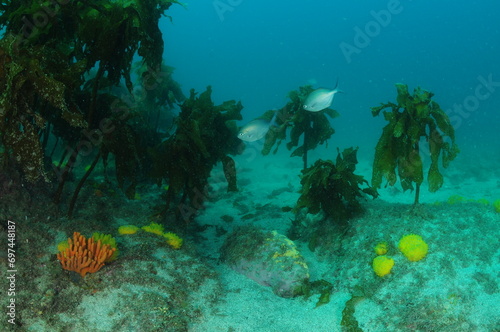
[(256, 129), (320, 99)]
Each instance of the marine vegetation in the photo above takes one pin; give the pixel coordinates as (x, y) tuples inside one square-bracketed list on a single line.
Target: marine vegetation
[(206, 134), (313, 126), (55, 82), (333, 189), (138, 125), (399, 148), (349, 321), (321, 287)]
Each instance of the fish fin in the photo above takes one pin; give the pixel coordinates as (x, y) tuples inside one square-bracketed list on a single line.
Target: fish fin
[(336, 88), (273, 120)]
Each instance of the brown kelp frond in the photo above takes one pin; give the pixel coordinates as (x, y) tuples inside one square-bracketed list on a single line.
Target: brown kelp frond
[(333, 187), (205, 135), (30, 98), (397, 153), (314, 127)]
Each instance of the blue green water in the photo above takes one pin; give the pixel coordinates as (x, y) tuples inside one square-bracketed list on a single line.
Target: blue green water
[(257, 51)]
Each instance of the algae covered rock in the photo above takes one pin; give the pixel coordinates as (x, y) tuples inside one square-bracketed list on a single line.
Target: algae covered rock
[(269, 258)]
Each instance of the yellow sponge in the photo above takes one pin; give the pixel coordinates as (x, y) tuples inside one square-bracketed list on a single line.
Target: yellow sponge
[(413, 247), (62, 246), (173, 240), (127, 229), (381, 248), (154, 228), (496, 205), (382, 265)]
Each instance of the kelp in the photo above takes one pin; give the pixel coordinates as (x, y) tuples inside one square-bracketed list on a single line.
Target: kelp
[(206, 134), (33, 92), (397, 153), (314, 127), (333, 187), (349, 321), (132, 131), (47, 54), (159, 94), (330, 196), (131, 27), (123, 143), (138, 127), (77, 27)]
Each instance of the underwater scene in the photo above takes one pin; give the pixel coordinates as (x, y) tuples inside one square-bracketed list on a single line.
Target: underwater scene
[(242, 166)]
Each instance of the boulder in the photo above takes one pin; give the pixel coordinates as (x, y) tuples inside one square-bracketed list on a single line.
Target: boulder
[(269, 258)]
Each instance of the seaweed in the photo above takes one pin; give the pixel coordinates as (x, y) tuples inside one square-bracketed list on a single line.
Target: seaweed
[(159, 87), (47, 55), (314, 127), (333, 187), (329, 198), (398, 151), (206, 134), (321, 287), (229, 168), (29, 92), (349, 322), (139, 125)]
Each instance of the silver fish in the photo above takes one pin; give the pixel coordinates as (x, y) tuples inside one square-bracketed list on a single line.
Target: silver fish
[(256, 129), (320, 99)]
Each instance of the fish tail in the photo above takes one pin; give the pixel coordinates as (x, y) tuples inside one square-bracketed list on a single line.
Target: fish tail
[(273, 120), (336, 88)]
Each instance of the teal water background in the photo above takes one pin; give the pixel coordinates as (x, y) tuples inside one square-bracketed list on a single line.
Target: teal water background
[(257, 51)]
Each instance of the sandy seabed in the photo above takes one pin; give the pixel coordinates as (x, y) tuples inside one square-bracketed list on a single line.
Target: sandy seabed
[(151, 287)]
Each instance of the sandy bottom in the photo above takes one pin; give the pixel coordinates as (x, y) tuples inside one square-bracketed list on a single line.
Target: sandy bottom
[(151, 287)]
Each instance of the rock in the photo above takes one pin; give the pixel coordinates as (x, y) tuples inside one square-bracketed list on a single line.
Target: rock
[(269, 258)]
